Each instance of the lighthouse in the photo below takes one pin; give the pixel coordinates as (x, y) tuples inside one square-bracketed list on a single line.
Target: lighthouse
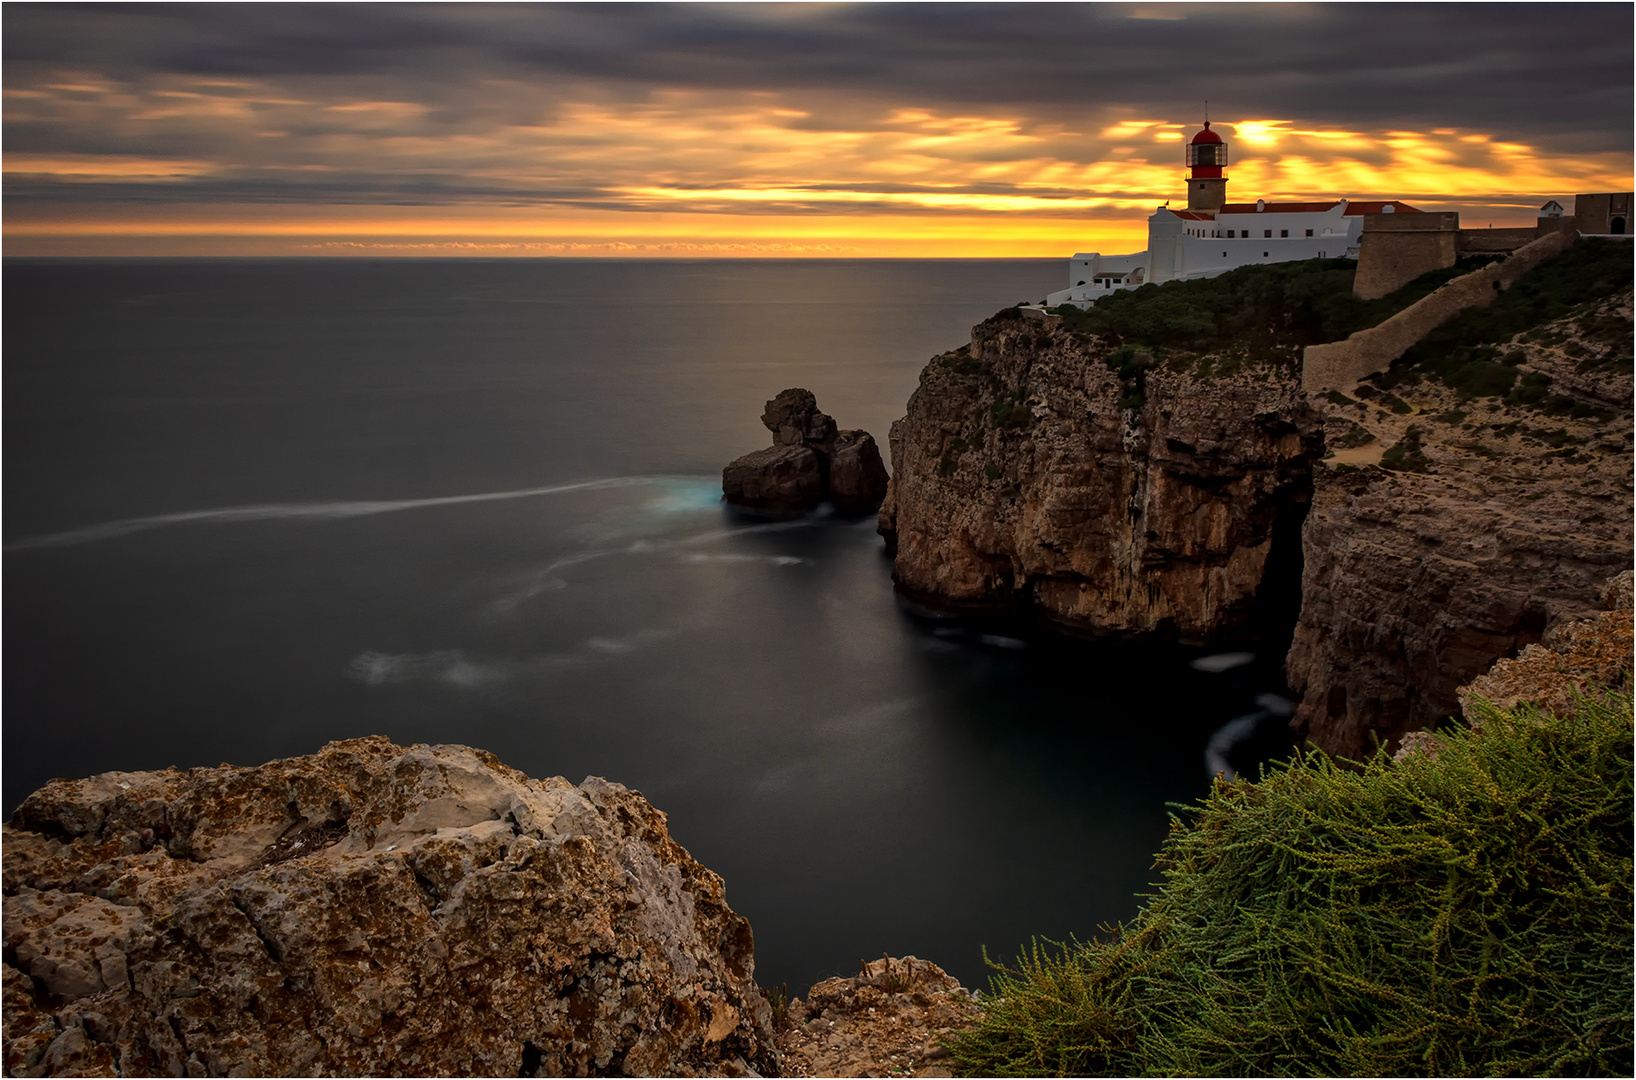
[(1213, 236), (1206, 157)]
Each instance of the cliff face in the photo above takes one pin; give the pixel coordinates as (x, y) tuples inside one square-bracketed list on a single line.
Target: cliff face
[(367, 910), (1475, 495), (1488, 524), (1115, 494)]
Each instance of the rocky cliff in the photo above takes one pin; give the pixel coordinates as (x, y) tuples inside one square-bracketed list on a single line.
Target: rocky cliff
[(1454, 530), (1112, 492), (1468, 499), (367, 910)]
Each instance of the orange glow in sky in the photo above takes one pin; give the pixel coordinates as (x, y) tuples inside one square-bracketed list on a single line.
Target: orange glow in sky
[(688, 173)]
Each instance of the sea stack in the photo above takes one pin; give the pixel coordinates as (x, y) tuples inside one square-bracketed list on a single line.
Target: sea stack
[(809, 461)]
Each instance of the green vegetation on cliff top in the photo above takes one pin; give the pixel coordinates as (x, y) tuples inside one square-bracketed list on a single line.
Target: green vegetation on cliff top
[(1465, 353), (1269, 311), (1463, 914)]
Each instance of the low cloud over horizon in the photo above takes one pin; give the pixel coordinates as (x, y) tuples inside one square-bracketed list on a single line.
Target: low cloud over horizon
[(777, 129)]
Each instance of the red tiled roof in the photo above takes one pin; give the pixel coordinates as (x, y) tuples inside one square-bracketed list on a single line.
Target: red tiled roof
[(1352, 209), (1281, 207), (1379, 207)]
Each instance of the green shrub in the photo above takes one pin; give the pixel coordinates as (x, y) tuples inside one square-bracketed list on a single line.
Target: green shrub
[(1531, 390), (1467, 913), (1009, 410), (1406, 454)]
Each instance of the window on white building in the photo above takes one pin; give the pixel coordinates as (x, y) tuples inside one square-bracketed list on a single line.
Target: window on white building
[(1266, 234), (1309, 232), (1283, 233)]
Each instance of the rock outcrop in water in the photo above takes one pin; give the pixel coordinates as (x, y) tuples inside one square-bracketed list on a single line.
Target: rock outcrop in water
[(809, 461), (367, 910), (1026, 472)]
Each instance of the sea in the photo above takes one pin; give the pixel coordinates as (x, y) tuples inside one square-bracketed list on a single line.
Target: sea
[(252, 506)]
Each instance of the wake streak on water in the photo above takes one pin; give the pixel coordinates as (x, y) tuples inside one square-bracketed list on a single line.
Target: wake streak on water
[(317, 511)]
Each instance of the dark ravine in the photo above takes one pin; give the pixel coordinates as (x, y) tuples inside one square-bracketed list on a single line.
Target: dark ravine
[(1119, 494)]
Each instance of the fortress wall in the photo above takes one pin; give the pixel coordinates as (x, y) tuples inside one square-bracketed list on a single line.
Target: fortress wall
[(1487, 241), (1394, 249), (1340, 365)]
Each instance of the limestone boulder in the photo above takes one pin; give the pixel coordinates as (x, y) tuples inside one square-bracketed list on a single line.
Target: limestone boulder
[(794, 420), (891, 1019), (810, 461), (780, 478), (368, 909), (857, 475)]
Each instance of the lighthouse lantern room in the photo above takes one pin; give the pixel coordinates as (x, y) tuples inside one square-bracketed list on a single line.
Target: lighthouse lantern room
[(1206, 157)]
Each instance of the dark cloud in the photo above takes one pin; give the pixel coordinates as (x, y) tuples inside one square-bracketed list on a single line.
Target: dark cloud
[(1556, 74)]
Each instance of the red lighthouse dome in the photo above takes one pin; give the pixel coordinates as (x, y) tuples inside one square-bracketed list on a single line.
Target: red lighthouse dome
[(1206, 154)]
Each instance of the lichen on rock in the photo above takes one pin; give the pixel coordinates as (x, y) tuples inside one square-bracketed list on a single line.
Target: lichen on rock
[(368, 909)]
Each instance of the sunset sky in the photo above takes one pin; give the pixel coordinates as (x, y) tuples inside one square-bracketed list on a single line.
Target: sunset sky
[(751, 129)]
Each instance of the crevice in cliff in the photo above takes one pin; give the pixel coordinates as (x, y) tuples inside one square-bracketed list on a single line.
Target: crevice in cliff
[(1278, 600)]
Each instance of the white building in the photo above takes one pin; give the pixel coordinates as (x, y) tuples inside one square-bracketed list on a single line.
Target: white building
[(1213, 236)]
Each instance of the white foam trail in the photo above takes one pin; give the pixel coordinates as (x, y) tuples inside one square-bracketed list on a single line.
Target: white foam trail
[(1225, 738), (1220, 662), (321, 511), (776, 560), (547, 580), (1000, 642), (452, 667)]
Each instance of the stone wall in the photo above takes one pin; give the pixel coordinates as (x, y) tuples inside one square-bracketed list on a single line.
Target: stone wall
[(1595, 213), (1497, 241), (1394, 249), (1340, 365)]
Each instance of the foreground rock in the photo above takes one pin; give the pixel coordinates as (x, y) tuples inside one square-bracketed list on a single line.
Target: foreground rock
[(889, 1020), (810, 460), (367, 910), (1025, 472)]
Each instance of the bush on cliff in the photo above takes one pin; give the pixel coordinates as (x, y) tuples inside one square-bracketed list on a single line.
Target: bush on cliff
[(1457, 914), (1269, 311)]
